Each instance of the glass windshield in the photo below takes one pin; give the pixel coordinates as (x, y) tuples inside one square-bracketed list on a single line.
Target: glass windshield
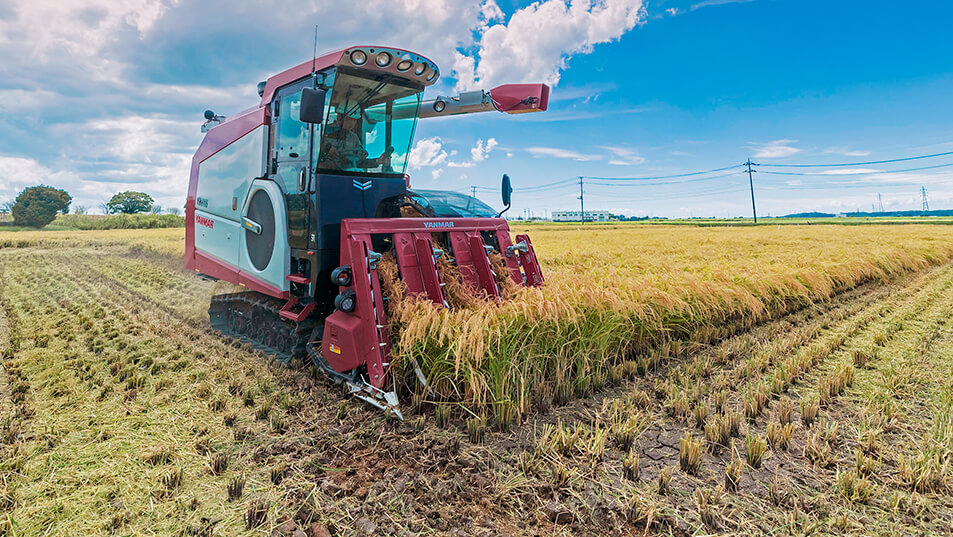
[(446, 203), (370, 125)]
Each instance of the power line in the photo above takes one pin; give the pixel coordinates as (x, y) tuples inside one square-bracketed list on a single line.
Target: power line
[(662, 176), (839, 186), (692, 194), (875, 172), (559, 184), (919, 157), (619, 181), (663, 183), (556, 189), (564, 182)]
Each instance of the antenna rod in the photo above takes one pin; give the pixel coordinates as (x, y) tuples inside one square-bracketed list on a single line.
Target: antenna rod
[(314, 58)]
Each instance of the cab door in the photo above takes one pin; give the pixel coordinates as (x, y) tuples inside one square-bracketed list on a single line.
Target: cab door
[(291, 154)]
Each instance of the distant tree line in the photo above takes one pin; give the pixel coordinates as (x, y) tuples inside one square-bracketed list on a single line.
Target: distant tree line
[(38, 206), (864, 214)]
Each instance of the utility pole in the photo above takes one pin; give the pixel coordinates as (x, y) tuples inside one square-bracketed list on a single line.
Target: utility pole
[(880, 202), (582, 206), (473, 189), (754, 211), (923, 194)]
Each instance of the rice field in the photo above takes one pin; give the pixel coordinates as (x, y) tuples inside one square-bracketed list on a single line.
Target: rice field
[(626, 297), (674, 381)]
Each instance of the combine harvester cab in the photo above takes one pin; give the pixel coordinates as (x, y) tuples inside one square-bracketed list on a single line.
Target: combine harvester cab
[(298, 198)]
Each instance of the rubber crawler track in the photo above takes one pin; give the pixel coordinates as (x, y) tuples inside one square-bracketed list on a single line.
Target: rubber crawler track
[(253, 318)]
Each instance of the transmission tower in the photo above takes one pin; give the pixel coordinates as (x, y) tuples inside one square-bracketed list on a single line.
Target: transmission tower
[(754, 211), (880, 203), (582, 205), (923, 194)]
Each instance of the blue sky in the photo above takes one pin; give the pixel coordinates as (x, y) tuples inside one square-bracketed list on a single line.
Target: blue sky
[(98, 96)]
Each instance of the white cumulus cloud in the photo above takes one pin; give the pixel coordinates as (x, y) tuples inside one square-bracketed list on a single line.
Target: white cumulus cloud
[(558, 152), (482, 150), (776, 149), (17, 173), (118, 86), (536, 42), (427, 152), (478, 153), (623, 156), (846, 151)]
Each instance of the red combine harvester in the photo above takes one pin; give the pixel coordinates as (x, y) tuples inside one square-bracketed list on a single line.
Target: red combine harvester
[(298, 198)]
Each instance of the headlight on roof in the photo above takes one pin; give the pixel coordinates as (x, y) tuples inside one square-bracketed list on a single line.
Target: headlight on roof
[(358, 57), (383, 59), (405, 65), (421, 69)]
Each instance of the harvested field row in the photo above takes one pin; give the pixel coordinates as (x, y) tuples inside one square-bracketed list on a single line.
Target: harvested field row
[(762, 476), (123, 413)]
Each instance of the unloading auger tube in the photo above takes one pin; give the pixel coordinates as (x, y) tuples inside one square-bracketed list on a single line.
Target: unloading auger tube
[(298, 198)]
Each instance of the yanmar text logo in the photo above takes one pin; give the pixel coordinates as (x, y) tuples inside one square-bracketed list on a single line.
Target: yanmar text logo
[(207, 222), (438, 224)]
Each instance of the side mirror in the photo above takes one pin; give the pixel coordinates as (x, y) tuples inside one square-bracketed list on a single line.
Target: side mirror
[(312, 105), (507, 194)]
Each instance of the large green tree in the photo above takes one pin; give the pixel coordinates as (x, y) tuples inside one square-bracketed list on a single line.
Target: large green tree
[(130, 202), (37, 206)]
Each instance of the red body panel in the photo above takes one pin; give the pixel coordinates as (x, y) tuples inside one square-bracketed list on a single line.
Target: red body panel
[(519, 98), (298, 72), (223, 271)]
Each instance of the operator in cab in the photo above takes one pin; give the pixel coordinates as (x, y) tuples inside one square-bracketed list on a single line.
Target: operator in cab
[(342, 146)]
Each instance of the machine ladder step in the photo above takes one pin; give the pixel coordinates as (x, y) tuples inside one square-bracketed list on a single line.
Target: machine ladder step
[(298, 278), (287, 311)]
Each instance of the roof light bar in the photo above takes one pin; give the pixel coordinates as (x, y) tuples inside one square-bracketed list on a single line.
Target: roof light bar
[(406, 64)]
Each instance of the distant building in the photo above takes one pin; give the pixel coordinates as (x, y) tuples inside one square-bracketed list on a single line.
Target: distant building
[(576, 216)]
